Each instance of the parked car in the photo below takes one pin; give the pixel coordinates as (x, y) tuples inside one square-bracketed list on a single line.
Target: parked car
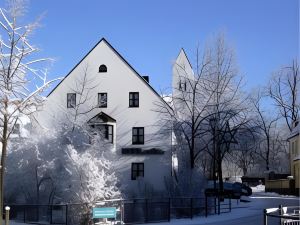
[(244, 189), (236, 190)]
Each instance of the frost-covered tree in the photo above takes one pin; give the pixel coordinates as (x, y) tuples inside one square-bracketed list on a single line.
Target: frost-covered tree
[(243, 153), (284, 89), (266, 125), (23, 76), (208, 108), (226, 111), (59, 168), (92, 178)]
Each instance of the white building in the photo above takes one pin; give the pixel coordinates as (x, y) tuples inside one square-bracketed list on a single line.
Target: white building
[(106, 93)]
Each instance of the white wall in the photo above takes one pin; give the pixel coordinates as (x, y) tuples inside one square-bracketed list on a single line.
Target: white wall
[(119, 80)]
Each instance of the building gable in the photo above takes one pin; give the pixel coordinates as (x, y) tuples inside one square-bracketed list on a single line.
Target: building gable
[(103, 40)]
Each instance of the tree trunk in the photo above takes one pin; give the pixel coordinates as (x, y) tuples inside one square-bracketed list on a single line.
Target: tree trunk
[(220, 174), (192, 158), (245, 170), (268, 154), (3, 157)]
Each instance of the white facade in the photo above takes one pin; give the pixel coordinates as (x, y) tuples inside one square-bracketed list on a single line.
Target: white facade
[(119, 80), (182, 79)]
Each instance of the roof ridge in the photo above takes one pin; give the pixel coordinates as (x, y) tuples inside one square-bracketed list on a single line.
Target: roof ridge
[(122, 58)]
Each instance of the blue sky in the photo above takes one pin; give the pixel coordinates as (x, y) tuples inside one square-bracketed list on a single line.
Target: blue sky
[(149, 34)]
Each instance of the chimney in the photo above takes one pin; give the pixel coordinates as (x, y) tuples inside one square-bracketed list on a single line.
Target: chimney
[(146, 78)]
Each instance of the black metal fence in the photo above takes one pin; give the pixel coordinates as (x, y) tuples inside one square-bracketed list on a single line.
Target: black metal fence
[(282, 215), (35, 214), (129, 211), (134, 211)]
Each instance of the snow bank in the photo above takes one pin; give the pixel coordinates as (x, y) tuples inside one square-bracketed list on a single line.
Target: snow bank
[(258, 188)]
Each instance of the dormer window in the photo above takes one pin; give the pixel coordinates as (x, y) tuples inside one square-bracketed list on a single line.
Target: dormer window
[(102, 69)]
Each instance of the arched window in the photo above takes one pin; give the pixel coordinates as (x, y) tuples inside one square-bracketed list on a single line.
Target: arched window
[(102, 69)]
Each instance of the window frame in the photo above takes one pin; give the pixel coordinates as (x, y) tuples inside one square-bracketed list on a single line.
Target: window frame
[(108, 134), (139, 171), (182, 85), (135, 101), (69, 100), (103, 69), (99, 100), (138, 141)]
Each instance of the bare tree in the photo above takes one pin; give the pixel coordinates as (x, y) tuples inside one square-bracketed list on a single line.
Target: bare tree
[(208, 106), (226, 111), (187, 111), (284, 90), (21, 79), (266, 126), (84, 85), (243, 154)]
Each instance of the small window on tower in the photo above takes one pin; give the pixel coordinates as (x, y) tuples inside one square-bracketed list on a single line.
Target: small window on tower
[(102, 69), (182, 85), (71, 100)]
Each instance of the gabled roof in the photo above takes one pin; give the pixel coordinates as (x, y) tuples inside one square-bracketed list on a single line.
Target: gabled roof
[(101, 118), (117, 53), (182, 51)]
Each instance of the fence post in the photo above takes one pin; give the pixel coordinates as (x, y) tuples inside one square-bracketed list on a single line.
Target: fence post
[(146, 213), (7, 208), (51, 209), (280, 213), (191, 208), (169, 215), (219, 207), (66, 214), (265, 217), (24, 214), (206, 205), (215, 204)]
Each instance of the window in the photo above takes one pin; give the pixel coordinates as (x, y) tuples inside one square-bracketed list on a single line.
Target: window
[(182, 85), (106, 131), (133, 99), (137, 170), (71, 100), (138, 135), (102, 69), (109, 133), (102, 100)]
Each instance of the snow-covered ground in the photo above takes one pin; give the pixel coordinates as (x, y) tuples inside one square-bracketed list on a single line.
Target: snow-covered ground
[(243, 213)]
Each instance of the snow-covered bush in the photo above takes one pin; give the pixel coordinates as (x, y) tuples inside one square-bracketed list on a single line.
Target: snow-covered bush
[(58, 168)]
